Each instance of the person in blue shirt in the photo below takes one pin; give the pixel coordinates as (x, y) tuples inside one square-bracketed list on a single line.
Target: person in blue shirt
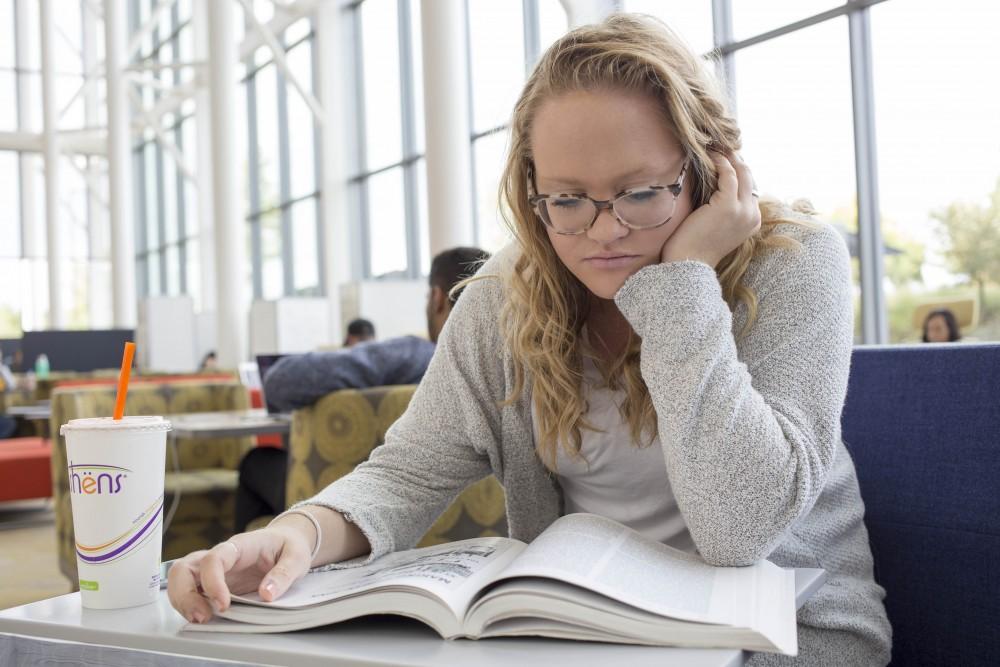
[(297, 381), (359, 331)]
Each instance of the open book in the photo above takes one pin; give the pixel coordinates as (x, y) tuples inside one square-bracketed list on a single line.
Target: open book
[(585, 577)]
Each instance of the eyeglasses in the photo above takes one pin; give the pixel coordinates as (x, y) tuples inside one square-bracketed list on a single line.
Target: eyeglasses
[(643, 208)]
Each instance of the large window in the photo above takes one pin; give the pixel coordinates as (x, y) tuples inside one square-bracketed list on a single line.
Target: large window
[(283, 214), (387, 164), (505, 41), (166, 219), (938, 120)]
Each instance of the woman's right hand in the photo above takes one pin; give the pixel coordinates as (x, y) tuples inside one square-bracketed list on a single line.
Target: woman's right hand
[(267, 561)]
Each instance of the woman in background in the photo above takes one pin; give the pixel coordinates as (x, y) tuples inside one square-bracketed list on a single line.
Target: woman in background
[(940, 326)]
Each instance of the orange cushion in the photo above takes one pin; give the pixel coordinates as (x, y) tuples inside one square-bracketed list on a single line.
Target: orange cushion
[(25, 468)]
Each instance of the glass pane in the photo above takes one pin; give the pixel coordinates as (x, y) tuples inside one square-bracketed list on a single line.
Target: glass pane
[(167, 56), (301, 134), (189, 138), (386, 223), (305, 247), (496, 40), (795, 112), (752, 17), (33, 61), (153, 274), (552, 22), (262, 55), (939, 190), (170, 222), (185, 52), (194, 272), (100, 220), (66, 87), (423, 228), (7, 33), (417, 62), (270, 250), (31, 88), (380, 60), (76, 286), (267, 137), (172, 258), (68, 38), (297, 31), (99, 304), (8, 110), (691, 19), (489, 154), (794, 102), (10, 204), (152, 216), (184, 10), (263, 10), (73, 209)]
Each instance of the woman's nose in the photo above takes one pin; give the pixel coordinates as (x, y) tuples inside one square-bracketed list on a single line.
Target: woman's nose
[(607, 227)]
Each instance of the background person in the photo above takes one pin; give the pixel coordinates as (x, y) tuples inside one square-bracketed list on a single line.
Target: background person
[(300, 380), (359, 331), (941, 326)]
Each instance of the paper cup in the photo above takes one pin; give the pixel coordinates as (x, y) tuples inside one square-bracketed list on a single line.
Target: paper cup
[(116, 490)]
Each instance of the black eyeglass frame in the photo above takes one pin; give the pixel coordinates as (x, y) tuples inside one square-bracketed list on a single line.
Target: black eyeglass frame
[(537, 199)]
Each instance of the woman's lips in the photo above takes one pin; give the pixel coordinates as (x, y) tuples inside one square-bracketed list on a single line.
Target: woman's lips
[(611, 262)]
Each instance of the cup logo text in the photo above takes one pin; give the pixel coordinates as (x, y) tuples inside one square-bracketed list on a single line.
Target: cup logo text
[(96, 479)]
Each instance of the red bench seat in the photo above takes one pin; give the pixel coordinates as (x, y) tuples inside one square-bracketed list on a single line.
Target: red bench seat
[(25, 468)]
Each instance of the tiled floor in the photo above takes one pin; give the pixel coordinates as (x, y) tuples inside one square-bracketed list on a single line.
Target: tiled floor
[(29, 570)]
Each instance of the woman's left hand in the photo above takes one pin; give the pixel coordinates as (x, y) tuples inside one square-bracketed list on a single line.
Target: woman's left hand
[(730, 217)]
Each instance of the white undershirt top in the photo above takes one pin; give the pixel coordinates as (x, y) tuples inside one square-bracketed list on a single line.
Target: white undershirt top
[(616, 479)]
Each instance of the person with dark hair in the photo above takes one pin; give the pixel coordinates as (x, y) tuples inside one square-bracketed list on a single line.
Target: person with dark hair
[(359, 331), (448, 269), (209, 362), (299, 380), (940, 326)]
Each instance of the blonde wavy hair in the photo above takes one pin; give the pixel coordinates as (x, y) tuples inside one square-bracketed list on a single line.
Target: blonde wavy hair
[(546, 305)]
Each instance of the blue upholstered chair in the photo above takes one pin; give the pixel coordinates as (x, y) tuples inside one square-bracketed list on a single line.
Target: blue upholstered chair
[(923, 426)]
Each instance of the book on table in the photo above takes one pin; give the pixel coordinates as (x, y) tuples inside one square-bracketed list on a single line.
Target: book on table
[(585, 577)]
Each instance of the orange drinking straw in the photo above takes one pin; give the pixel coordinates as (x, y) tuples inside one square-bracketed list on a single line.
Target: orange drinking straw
[(123, 380)]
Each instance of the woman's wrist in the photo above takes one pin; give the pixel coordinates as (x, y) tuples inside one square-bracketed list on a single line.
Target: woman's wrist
[(297, 523), (339, 539)]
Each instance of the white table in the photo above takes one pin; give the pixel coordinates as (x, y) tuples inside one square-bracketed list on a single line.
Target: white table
[(59, 630), (230, 424), (39, 412)]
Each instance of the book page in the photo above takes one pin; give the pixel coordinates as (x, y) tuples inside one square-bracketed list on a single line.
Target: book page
[(453, 572), (604, 556)]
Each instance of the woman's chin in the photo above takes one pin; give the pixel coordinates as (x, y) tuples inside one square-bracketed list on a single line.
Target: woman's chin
[(604, 289)]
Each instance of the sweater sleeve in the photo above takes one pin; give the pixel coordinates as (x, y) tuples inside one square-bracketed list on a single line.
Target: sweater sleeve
[(749, 433), (439, 445)]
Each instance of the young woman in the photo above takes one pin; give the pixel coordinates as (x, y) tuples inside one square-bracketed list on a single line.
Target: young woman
[(673, 354)]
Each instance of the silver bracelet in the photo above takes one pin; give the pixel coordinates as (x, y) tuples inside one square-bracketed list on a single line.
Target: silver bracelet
[(315, 523)]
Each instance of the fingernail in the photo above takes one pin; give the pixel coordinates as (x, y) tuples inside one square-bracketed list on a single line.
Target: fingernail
[(269, 587), (198, 617)]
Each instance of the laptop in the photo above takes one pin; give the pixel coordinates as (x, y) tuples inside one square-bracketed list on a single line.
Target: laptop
[(264, 364)]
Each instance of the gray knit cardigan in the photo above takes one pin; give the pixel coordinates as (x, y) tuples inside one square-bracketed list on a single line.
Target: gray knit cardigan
[(749, 425)]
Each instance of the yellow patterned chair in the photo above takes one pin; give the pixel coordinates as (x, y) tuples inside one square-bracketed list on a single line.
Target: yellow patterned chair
[(333, 436), (208, 467), (13, 396)]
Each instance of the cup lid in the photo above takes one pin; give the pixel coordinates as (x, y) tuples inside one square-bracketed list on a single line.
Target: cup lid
[(144, 424)]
